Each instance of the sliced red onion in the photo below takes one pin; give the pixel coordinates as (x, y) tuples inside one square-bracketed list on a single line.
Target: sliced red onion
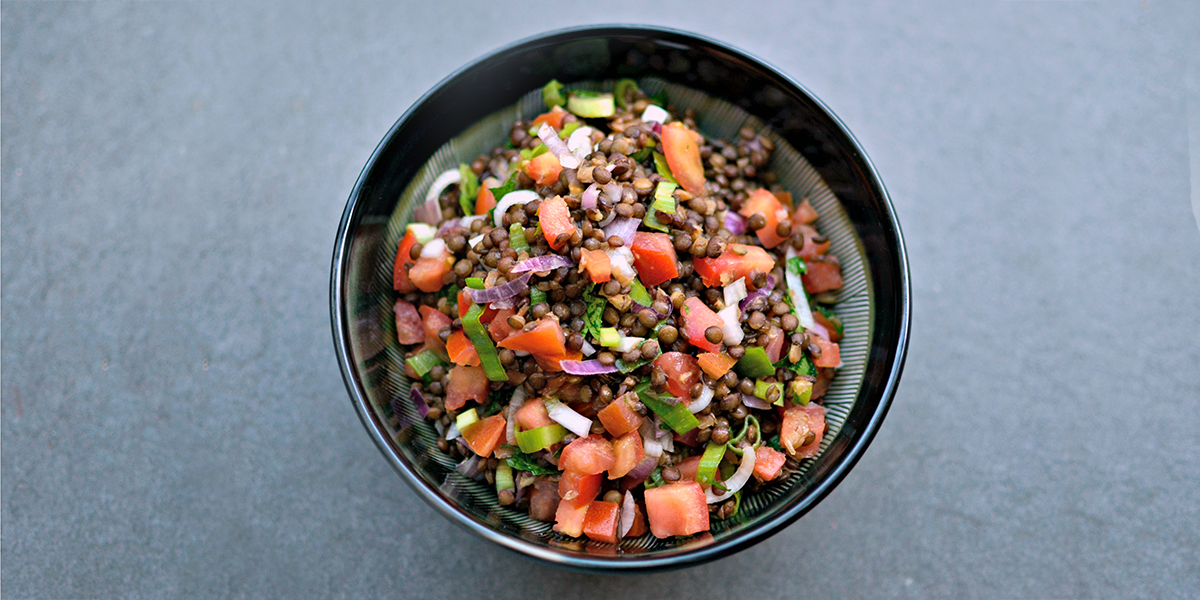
[(735, 223), (795, 290), (470, 467), (751, 401), (656, 127), (429, 211), (590, 196), (735, 292), (500, 292), (761, 292), (510, 426), (612, 189), (690, 439), (434, 249), (731, 325), (702, 402), (628, 511), (638, 474), (587, 367), (580, 142), (509, 199), (565, 416), (540, 264), (418, 400), (557, 147), (622, 227), (739, 479)]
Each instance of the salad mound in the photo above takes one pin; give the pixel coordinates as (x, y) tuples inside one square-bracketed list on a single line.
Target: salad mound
[(619, 323)]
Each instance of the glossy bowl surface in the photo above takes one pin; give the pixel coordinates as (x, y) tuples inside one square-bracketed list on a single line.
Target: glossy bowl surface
[(468, 112)]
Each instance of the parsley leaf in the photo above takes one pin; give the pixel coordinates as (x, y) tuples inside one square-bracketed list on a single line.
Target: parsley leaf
[(524, 462), (796, 265), (594, 316)]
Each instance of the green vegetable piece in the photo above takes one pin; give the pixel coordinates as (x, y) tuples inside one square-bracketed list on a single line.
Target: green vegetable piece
[(659, 98), (638, 293), (623, 88), (609, 337), (651, 220), (509, 186), (660, 165), (833, 318), (516, 238), (664, 201), (468, 189), (466, 418), (773, 442), (525, 462), (591, 107), (675, 416), (423, 362), (593, 318), (536, 296), (532, 153), (642, 154), (504, 477), (475, 283), (540, 438), (655, 479), (801, 390), (762, 389), (552, 94), (484, 347), (755, 363), (567, 130), (625, 367), (709, 462), (796, 265)]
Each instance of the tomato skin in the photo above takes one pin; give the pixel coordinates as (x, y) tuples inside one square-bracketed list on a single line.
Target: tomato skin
[(681, 148), (555, 219), (483, 436), (677, 508), (597, 263), (579, 487), (824, 321), (428, 273), (434, 320), (768, 462), (544, 169), (533, 414), (466, 383), (619, 418), (683, 371), (823, 275), (811, 248), (627, 453), (553, 118), (409, 329), (545, 339), (731, 266), (765, 203), (697, 318), (400, 280), (499, 327), (798, 421), (485, 200), (654, 257), (804, 214), (553, 364), (716, 365), (588, 456), (831, 354), (570, 516), (602, 521), (461, 350)]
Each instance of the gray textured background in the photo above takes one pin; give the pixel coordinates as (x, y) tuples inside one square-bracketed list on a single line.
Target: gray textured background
[(174, 423)]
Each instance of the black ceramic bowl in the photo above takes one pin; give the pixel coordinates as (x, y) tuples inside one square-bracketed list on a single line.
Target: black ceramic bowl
[(469, 112)]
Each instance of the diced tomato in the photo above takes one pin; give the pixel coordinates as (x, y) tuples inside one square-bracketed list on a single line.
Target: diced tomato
[(597, 263), (831, 355), (677, 508), (533, 414), (466, 383), (545, 339), (639, 522), (811, 247), (683, 371), (619, 418), (689, 466), (798, 421), (464, 306), (428, 274), (654, 258), (690, 439), (697, 318), (485, 200), (627, 453), (765, 203), (408, 324), (574, 486), (484, 435), (716, 365), (731, 266), (824, 321), (804, 214), (823, 274), (602, 520), (768, 462), (554, 118), (461, 350), (555, 219), (400, 280), (434, 320), (553, 364), (774, 347), (824, 378), (587, 455), (681, 148), (544, 169), (499, 327), (409, 371), (570, 516)]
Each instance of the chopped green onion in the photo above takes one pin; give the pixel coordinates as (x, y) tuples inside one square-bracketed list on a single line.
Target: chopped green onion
[(655, 479), (552, 94), (755, 363), (424, 361), (609, 337), (468, 189), (568, 129), (652, 221), (801, 391), (709, 462), (642, 154), (504, 478), (664, 200), (622, 89), (516, 238), (532, 153), (591, 106), (675, 416), (540, 438), (663, 169), (484, 347), (466, 418), (536, 296), (796, 265), (475, 283), (638, 293), (762, 389)]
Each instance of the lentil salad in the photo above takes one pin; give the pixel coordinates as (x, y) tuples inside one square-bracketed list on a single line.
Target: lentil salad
[(610, 293)]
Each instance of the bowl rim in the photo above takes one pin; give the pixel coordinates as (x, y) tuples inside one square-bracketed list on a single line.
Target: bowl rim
[(624, 563)]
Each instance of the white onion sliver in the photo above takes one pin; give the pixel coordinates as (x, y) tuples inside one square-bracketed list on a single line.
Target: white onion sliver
[(652, 448), (590, 195), (731, 327), (612, 189), (443, 181), (655, 114), (565, 416), (622, 265), (557, 147), (435, 248), (739, 479), (628, 343), (587, 349), (580, 141), (509, 199), (452, 432), (628, 508), (735, 292), (795, 288), (699, 404), (510, 428), (471, 243)]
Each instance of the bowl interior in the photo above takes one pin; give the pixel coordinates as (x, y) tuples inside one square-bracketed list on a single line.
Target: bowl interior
[(815, 157)]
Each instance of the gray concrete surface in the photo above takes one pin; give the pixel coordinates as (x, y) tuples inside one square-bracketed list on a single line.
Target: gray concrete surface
[(174, 425)]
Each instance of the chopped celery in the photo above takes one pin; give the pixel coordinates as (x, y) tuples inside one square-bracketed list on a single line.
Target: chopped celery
[(516, 238), (568, 129), (423, 362), (484, 347), (552, 94), (466, 418), (755, 363), (468, 189), (475, 283), (655, 479), (664, 200), (532, 153), (609, 337), (660, 165), (591, 107), (540, 438), (504, 477), (638, 293), (624, 87), (675, 416), (709, 462)]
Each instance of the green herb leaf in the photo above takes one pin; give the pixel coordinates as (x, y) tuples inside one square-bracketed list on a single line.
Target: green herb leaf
[(524, 462), (773, 442), (509, 186), (796, 265), (594, 315)]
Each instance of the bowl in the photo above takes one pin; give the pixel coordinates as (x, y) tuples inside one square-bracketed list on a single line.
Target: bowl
[(469, 112)]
